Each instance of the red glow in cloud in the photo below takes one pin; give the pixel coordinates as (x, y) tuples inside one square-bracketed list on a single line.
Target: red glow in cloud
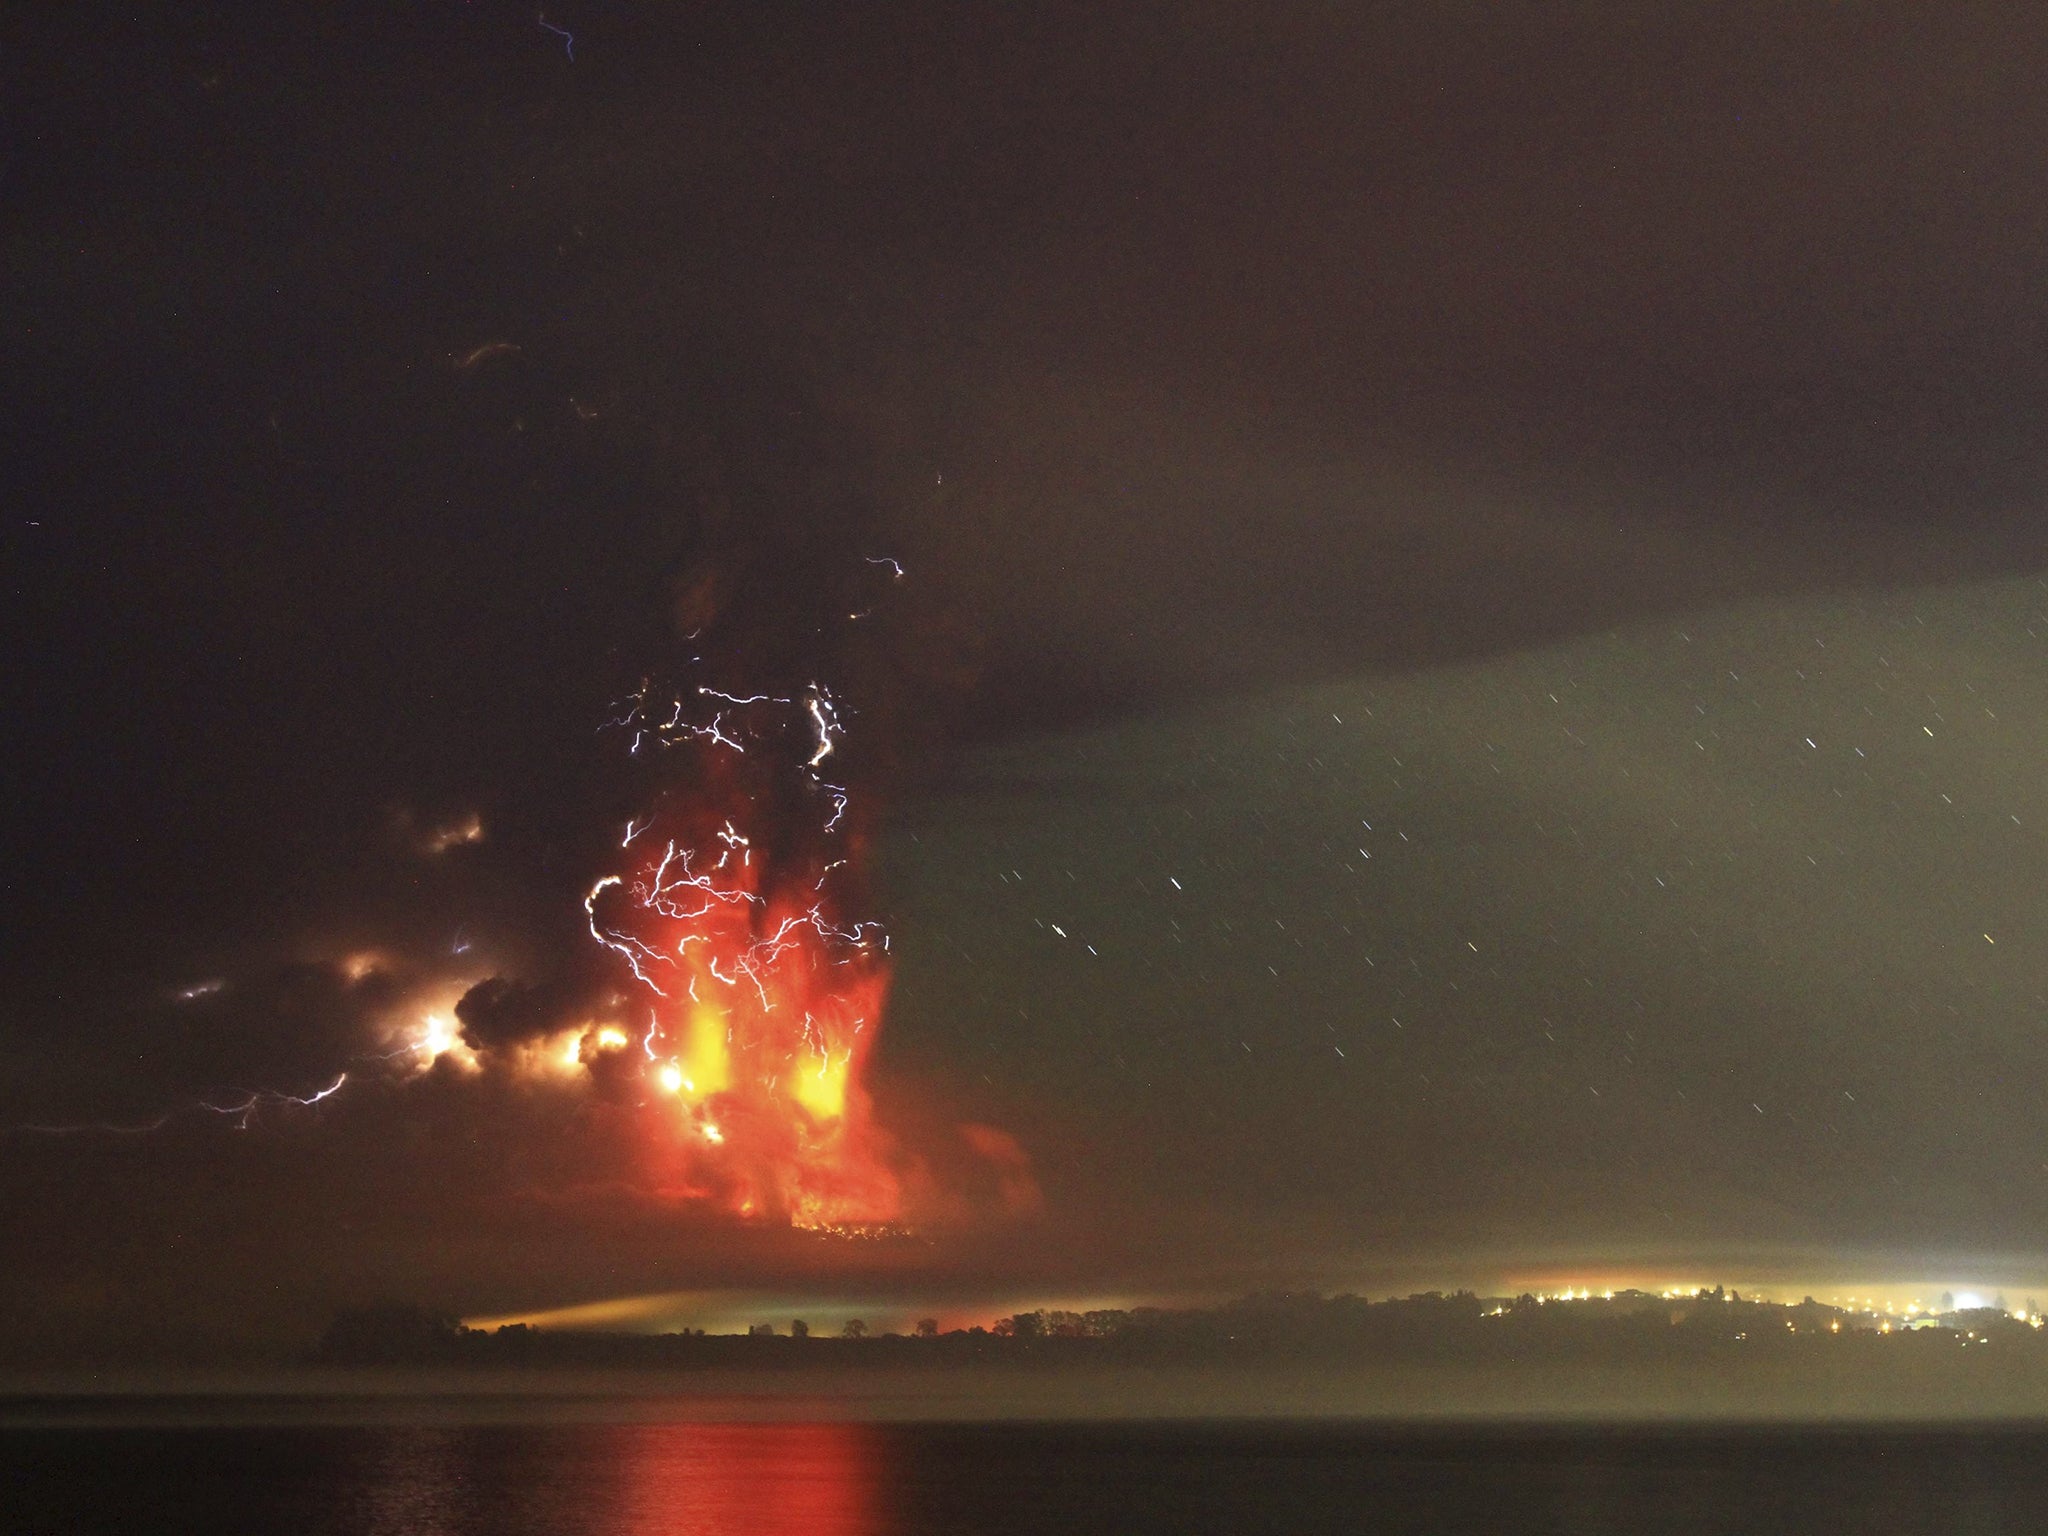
[(1016, 1189)]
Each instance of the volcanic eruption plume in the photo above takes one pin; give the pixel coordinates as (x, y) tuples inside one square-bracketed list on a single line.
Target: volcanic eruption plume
[(763, 997), (722, 1051)]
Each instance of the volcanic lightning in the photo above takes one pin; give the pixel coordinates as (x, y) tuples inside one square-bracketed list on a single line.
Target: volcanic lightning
[(755, 998), (763, 1000)]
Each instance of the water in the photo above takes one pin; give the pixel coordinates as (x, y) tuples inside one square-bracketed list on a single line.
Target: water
[(850, 1479)]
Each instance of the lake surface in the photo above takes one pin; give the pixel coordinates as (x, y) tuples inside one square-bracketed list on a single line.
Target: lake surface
[(838, 1479)]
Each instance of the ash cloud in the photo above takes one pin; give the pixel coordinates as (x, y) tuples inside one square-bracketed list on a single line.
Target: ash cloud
[(264, 1032), (501, 1011), (284, 1026)]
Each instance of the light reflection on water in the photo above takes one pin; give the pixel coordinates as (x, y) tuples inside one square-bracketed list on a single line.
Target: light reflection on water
[(646, 1479), (413, 1485), (724, 1479)]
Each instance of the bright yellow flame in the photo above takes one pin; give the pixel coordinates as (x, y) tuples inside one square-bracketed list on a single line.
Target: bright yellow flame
[(437, 1038), (820, 1086), (611, 1038), (671, 1077), (713, 1134), (710, 1060)]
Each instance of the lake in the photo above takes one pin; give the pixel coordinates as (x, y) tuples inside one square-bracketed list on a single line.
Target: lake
[(646, 1476)]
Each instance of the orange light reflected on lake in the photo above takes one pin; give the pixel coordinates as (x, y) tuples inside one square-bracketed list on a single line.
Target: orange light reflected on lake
[(749, 1479)]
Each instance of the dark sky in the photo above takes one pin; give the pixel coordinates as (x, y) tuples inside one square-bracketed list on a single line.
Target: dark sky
[(1526, 513)]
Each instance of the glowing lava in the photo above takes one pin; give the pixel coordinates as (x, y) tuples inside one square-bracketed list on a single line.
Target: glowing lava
[(763, 1002)]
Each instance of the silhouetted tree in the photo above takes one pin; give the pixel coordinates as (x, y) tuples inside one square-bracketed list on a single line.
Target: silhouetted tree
[(927, 1328), (799, 1329), (854, 1329), (389, 1335)]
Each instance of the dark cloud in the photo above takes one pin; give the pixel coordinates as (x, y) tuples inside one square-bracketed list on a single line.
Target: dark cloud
[(269, 1031), (300, 1022), (500, 1011)]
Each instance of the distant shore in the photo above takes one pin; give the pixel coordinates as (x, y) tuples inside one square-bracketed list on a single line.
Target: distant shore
[(1706, 1359)]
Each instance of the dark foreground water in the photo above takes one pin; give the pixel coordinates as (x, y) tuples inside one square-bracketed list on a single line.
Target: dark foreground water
[(639, 1479)]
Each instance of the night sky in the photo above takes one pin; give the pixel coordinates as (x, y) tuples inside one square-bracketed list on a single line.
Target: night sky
[(1466, 703)]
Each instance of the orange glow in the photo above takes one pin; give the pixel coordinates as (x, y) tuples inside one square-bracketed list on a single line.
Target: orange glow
[(467, 829), (566, 1055), (362, 963), (557, 1057), (762, 1006)]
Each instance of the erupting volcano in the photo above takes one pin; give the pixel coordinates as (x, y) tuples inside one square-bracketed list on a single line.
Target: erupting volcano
[(763, 999)]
